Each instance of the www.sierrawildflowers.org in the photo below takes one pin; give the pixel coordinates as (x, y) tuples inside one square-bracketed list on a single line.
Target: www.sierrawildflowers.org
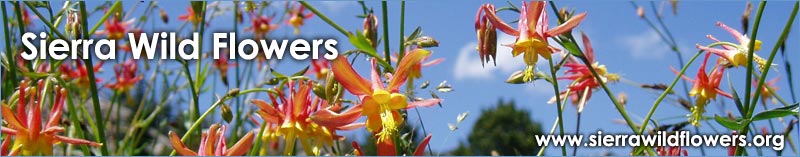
[(662, 139)]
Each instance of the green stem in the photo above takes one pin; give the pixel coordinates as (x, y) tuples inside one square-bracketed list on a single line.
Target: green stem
[(386, 31), (666, 92), (47, 23), (90, 71), (325, 18), (402, 49), (748, 77), (11, 80), (554, 82)]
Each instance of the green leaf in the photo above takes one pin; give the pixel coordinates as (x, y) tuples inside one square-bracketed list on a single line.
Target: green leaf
[(416, 33), (777, 112), (730, 124), (359, 41)]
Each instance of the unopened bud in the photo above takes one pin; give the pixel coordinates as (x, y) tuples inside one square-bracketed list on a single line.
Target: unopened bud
[(371, 29), (640, 11), (426, 41), (623, 98), (164, 17), (227, 114), (516, 78)]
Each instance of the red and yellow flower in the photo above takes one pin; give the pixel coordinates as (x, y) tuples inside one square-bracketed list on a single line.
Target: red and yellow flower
[(583, 81), (297, 115), (297, 16), (212, 143), (261, 25), (705, 89), (532, 32), (381, 104), (115, 28), (190, 16), (31, 136), (389, 149), (735, 55), (126, 76)]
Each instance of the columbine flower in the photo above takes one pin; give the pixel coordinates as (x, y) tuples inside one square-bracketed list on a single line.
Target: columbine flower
[(126, 76), (261, 25), (735, 55), (294, 113), (297, 16), (584, 82), (389, 149), (381, 104), (766, 90), (115, 28), (222, 64), (213, 143), (190, 16), (671, 151), (78, 73), (30, 137), (320, 68), (705, 89), (532, 32)]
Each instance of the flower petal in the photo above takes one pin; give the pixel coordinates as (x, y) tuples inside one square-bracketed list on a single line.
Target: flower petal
[(352, 126), (403, 69), (357, 149), (423, 103), (242, 146), (386, 148), (332, 119), (12, 119), (421, 148), (588, 46), (77, 141), (345, 74), (179, 146), (567, 26)]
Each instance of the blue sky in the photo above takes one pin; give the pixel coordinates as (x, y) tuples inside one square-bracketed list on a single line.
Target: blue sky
[(623, 42)]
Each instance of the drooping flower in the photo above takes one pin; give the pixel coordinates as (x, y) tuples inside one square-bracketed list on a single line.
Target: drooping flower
[(389, 149), (115, 28), (261, 25), (735, 55), (532, 32), (78, 73), (31, 136), (222, 64), (212, 143), (296, 116), (381, 104), (705, 89), (125, 75), (297, 16), (767, 90), (190, 16), (319, 68), (583, 80)]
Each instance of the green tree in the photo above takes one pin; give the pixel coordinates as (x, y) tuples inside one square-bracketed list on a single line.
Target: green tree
[(505, 129)]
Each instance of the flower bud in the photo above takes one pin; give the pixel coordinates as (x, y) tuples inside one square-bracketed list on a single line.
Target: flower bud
[(227, 114), (640, 11), (371, 29), (425, 42), (73, 26), (164, 17)]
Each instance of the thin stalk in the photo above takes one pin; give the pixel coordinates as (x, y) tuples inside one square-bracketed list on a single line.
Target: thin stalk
[(666, 92), (47, 23), (73, 116), (325, 18), (402, 49), (750, 53), (93, 86), (11, 80), (554, 82), (386, 32)]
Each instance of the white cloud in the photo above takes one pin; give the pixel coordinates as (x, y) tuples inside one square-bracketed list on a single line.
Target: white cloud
[(645, 45), (468, 63)]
